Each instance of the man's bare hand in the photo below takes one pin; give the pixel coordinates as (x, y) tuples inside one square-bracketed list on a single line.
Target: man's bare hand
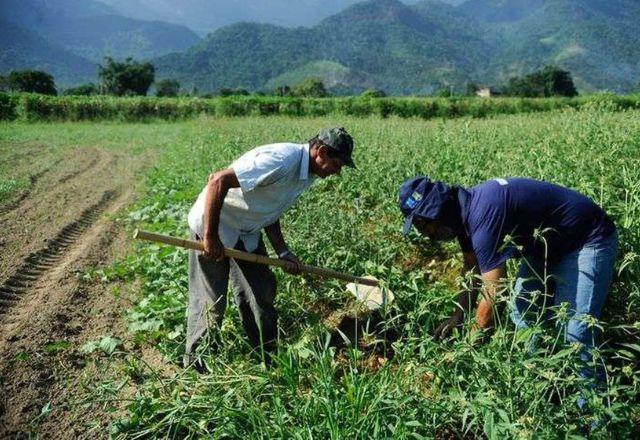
[(445, 329), (479, 336), (293, 263), (213, 248)]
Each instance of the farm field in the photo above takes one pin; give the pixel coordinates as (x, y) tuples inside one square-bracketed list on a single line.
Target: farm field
[(92, 326)]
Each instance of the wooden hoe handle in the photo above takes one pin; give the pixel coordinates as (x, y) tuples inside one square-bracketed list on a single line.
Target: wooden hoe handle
[(253, 258)]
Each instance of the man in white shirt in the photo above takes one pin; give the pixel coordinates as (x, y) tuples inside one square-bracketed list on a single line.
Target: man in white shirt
[(231, 211)]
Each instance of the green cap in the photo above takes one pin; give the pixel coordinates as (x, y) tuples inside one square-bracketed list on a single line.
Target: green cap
[(339, 140)]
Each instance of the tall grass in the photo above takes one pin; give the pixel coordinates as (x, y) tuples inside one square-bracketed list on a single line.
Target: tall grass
[(33, 107)]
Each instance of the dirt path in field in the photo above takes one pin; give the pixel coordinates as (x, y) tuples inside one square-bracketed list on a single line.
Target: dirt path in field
[(62, 224)]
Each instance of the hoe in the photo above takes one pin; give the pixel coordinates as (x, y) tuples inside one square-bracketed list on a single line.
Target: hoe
[(365, 289)]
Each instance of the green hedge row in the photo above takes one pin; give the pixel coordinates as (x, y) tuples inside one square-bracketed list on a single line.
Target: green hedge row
[(32, 107)]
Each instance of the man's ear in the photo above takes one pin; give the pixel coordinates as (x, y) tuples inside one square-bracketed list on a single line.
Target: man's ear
[(322, 151)]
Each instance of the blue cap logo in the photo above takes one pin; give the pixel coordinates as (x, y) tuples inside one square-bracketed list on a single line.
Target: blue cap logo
[(413, 200)]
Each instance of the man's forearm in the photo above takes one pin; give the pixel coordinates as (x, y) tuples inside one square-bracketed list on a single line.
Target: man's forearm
[(274, 234), (217, 189), (491, 285), (484, 314), (486, 305)]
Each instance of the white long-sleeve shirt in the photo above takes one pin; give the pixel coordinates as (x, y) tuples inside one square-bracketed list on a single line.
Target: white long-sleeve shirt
[(271, 179)]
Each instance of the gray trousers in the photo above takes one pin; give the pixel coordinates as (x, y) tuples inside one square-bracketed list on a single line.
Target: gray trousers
[(254, 288)]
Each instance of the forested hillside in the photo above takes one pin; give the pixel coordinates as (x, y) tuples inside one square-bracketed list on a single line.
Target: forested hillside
[(21, 49), (49, 32), (205, 16), (400, 47), (414, 49), (381, 43), (597, 40)]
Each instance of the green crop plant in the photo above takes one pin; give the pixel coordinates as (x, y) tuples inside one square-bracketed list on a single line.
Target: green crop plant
[(426, 390), (453, 389)]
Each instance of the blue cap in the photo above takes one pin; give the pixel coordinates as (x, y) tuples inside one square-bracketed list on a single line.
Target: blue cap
[(422, 197)]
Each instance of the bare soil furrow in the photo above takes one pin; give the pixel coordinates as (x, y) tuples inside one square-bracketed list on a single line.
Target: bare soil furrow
[(9, 296), (56, 200), (83, 170), (6, 303), (46, 310), (35, 264), (33, 179)]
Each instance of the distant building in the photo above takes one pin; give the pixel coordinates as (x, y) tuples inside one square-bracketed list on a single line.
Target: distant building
[(487, 92)]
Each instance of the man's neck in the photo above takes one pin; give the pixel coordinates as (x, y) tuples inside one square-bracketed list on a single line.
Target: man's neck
[(313, 153)]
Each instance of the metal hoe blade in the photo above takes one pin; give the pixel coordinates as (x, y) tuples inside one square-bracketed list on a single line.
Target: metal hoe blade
[(372, 297)]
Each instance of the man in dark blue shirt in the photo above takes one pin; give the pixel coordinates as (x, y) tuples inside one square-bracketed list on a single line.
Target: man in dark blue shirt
[(567, 244)]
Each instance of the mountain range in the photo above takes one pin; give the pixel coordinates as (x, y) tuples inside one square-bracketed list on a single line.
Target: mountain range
[(68, 38), (380, 43), (422, 47), (412, 47), (205, 16)]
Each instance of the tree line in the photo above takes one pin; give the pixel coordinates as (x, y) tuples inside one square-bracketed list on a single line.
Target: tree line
[(135, 78), (543, 83), (118, 78)]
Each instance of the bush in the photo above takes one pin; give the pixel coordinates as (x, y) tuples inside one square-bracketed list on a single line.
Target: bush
[(291, 107), (34, 107), (126, 78), (224, 92), (167, 88), (99, 107), (8, 104), (310, 88), (82, 90), (550, 81), (31, 81), (373, 93)]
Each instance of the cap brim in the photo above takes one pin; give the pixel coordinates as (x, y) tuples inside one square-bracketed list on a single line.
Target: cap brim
[(348, 162), (408, 222)]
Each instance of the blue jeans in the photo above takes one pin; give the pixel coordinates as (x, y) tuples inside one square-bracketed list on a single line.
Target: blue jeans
[(581, 279)]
